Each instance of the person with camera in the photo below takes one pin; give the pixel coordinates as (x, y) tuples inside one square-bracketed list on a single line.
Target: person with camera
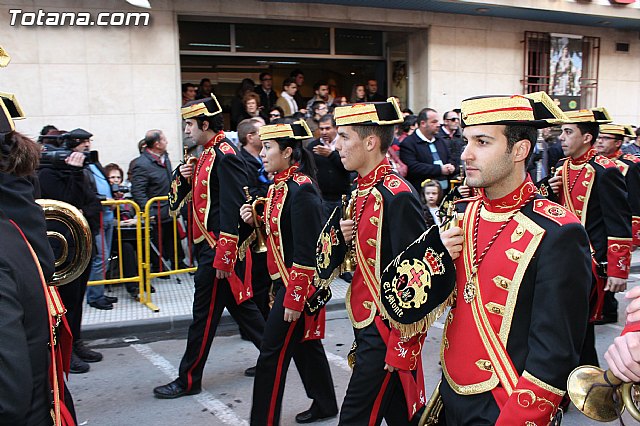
[(62, 178)]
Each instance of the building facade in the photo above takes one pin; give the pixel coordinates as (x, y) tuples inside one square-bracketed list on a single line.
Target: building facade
[(118, 81)]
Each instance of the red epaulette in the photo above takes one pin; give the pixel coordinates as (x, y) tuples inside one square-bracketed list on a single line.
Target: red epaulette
[(301, 179), (554, 212), (395, 184), (604, 162), (631, 158), (226, 148)]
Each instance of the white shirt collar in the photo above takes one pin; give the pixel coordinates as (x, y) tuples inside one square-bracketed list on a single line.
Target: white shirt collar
[(423, 137)]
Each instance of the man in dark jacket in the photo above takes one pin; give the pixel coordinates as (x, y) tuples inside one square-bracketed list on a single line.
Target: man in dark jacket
[(451, 134), (425, 154), (265, 90), (152, 178)]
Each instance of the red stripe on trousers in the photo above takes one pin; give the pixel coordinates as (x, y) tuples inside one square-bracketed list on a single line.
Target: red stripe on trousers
[(206, 333), (276, 384), (378, 401)]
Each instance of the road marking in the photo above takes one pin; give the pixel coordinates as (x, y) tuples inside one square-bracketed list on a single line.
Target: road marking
[(338, 361), (207, 400)]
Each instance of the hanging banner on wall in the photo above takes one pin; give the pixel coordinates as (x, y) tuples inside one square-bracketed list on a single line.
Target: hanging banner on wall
[(565, 70)]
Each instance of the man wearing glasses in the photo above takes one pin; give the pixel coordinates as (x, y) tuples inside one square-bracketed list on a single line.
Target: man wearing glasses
[(268, 97), (450, 133)]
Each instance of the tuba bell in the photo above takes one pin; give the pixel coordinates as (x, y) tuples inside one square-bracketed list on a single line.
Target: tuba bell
[(75, 240), (261, 245), (600, 395), (4, 58)]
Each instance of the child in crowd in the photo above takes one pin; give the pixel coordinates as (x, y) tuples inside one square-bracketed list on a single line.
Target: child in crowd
[(431, 198)]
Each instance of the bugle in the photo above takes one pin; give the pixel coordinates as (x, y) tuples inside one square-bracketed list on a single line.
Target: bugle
[(259, 225)]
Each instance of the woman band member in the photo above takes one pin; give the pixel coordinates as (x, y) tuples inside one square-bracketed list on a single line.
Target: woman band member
[(293, 208)]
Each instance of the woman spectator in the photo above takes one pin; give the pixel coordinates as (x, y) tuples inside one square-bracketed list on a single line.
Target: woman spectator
[(237, 106), (251, 103), (358, 94)]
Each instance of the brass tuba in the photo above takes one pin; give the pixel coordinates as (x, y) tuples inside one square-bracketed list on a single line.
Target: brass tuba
[(600, 395), (348, 265), (68, 269), (4, 58), (260, 226)]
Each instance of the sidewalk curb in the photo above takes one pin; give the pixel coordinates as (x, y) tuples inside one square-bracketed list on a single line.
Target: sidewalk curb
[(177, 324)]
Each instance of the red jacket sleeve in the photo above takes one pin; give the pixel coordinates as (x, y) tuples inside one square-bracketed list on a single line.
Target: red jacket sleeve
[(300, 278), (403, 355), (532, 402)]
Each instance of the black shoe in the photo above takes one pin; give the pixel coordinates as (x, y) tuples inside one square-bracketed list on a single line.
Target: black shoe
[(607, 319), (78, 366), (173, 390), (101, 304), (86, 354), (311, 415), (111, 299), (250, 372)]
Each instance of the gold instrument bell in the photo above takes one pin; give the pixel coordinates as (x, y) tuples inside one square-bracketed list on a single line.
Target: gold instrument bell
[(70, 237), (4, 58), (259, 225), (348, 265), (600, 395)]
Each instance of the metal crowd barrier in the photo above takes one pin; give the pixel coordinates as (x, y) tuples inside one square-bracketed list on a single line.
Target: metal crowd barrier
[(143, 245)]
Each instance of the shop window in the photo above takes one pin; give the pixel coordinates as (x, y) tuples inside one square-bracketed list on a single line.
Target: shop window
[(282, 39), (204, 36), (358, 42)]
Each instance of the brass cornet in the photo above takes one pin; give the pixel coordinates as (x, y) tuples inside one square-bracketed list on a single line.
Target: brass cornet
[(600, 395), (348, 265), (259, 225)]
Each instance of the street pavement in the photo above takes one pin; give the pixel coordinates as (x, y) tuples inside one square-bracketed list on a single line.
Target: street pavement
[(118, 390)]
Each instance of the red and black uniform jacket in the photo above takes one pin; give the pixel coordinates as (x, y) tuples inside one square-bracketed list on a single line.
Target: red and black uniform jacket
[(293, 217), (521, 334), (216, 189), (629, 165)]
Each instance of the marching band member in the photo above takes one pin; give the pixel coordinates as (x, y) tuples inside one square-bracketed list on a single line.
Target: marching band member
[(387, 377), (523, 276), (292, 216), (216, 186), (592, 187)]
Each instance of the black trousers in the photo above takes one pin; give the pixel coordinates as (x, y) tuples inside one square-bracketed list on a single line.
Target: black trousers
[(373, 393), (210, 298), (261, 282), (468, 410), (610, 306), (280, 343), (72, 296), (589, 355)]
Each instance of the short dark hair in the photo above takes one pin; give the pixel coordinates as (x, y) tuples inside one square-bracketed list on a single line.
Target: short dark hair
[(19, 155), (409, 120), (316, 104), (216, 122), (328, 117), (186, 86), (637, 131), (46, 129), (444, 117), (592, 128), (264, 74), (515, 133), (277, 108), (246, 127), (384, 133), (288, 82), (319, 83), (151, 137), (422, 115), (296, 73), (204, 80)]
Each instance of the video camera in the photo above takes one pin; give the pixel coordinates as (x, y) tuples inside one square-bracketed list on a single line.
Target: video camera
[(52, 156)]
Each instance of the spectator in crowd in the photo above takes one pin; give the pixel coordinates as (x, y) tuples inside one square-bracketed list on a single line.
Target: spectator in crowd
[(372, 91), (431, 196), (339, 101), (358, 94), (265, 90), (258, 183), (252, 107), (188, 92), (318, 110), (633, 147), (407, 128), (298, 76), (425, 154), (321, 93), (204, 89), (152, 178), (407, 111), (237, 106), (70, 185), (333, 179), (275, 113), (451, 134), (286, 101)]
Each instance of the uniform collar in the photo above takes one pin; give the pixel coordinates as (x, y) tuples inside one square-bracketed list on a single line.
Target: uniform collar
[(512, 201), (615, 155), (584, 157), (214, 140), (285, 174), (374, 175)]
